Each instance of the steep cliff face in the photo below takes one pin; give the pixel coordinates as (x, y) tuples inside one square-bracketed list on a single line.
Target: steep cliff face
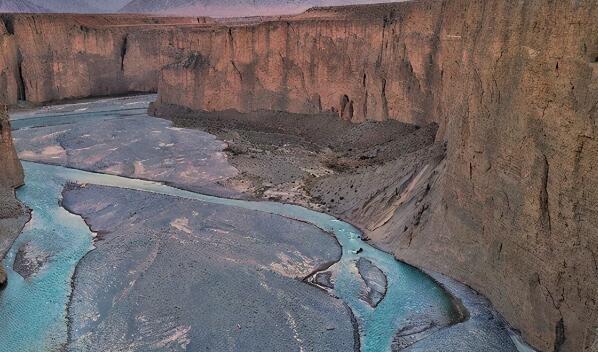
[(55, 57), (9, 75), (513, 86), (12, 214), (359, 64), (319, 61), (517, 215), (11, 171)]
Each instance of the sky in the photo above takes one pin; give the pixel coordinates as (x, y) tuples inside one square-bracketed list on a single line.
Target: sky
[(220, 8)]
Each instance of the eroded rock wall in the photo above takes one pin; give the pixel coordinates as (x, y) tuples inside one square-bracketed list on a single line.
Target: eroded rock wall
[(361, 63), (517, 218), (11, 171), (13, 216), (368, 66), (513, 85), (9, 75), (55, 57)]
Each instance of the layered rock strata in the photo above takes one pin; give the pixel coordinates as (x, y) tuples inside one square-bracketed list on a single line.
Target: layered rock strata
[(513, 86), (56, 57)]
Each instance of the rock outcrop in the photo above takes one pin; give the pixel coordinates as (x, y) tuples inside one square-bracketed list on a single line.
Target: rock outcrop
[(12, 214), (3, 280), (11, 171), (516, 218), (513, 86), (359, 62)]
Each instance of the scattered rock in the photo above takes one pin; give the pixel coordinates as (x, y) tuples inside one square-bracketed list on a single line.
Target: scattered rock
[(412, 333), (11, 172), (375, 282), (3, 278), (29, 260), (324, 279)]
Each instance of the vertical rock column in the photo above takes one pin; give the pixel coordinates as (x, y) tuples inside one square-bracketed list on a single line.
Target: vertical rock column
[(11, 171), (11, 176)]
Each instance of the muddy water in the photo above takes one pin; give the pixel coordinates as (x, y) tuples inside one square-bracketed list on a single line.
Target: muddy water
[(33, 313)]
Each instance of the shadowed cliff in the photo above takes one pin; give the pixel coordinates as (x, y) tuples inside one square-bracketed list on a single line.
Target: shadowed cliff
[(11, 171), (513, 86), (12, 213)]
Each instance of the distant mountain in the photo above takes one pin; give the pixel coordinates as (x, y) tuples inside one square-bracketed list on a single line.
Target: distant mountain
[(80, 6), (74, 6), (7, 6), (110, 5), (230, 8), (214, 7)]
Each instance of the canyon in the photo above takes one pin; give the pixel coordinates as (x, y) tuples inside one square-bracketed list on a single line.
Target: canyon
[(506, 200), (125, 246)]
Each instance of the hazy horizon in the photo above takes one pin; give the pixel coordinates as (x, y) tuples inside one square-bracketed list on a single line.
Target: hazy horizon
[(226, 8)]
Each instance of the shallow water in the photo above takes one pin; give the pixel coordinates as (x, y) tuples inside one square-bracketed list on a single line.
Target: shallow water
[(32, 311), (43, 298), (69, 118)]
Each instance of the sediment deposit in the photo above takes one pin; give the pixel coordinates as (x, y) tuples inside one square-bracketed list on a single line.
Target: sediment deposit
[(513, 87), (116, 136), (195, 275)]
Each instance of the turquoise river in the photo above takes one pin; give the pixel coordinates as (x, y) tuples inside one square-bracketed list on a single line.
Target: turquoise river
[(43, 298)]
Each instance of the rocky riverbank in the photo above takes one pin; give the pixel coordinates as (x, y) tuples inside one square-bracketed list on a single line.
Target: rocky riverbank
[(318, 161), (362, 173)]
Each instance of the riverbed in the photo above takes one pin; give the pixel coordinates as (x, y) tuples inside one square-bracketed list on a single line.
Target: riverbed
[(105, 289)]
